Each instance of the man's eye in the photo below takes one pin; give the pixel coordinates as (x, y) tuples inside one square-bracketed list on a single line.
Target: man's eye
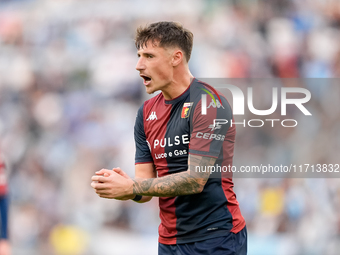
[(150, 56)]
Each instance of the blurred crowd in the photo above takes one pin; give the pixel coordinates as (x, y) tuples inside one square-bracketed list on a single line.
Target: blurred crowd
[(69, 93)]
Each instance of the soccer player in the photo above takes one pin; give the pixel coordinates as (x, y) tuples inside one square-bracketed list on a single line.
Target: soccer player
[(4, 243), (176, 142)]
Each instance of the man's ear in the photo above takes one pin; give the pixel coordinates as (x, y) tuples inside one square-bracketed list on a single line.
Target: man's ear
[(177, 57)]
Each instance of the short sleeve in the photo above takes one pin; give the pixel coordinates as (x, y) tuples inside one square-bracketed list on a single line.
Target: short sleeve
[(209, 131), (143, 154)]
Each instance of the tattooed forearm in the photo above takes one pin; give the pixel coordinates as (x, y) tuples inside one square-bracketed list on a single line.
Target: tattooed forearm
[(168, 186), (184, 183)]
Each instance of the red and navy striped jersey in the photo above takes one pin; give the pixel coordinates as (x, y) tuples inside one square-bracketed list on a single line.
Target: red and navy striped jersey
[(166, 131)]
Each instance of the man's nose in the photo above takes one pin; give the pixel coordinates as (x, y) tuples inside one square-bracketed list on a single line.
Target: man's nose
[(140, 65)]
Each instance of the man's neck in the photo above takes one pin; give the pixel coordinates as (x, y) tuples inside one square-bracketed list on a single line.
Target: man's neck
[(177, 86)]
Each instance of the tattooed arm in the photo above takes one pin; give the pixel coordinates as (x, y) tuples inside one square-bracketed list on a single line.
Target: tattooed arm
[(111, 184), (184, 183)]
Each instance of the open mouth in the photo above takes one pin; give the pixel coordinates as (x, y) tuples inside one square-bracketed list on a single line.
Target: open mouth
[(146, 79)]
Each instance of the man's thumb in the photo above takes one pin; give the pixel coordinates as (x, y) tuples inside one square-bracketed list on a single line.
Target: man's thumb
[(103, 171)]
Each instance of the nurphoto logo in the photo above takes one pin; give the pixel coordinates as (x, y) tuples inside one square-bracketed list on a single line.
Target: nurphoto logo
[(239, 106)]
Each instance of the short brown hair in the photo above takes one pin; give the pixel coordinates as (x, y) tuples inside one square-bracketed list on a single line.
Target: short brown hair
[(168, 34)]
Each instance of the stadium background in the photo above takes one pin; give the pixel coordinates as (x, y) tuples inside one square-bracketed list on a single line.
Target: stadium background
[(69, 94)]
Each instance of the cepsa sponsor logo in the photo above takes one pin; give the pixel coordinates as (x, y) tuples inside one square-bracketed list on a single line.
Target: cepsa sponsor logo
[(209, 136)]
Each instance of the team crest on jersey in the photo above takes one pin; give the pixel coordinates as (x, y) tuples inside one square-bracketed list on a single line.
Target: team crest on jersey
[(186, 110)]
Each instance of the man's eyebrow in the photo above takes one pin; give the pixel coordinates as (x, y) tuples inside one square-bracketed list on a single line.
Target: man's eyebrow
[(144, 53)]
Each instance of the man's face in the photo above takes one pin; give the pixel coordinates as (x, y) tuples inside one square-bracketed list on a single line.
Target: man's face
[(154, 66)]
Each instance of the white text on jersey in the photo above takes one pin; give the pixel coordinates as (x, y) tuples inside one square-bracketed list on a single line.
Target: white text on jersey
[(171, 141)]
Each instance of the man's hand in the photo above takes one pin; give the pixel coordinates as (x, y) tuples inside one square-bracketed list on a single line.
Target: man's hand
[(116, 184), (122, 173), (113, 184)]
